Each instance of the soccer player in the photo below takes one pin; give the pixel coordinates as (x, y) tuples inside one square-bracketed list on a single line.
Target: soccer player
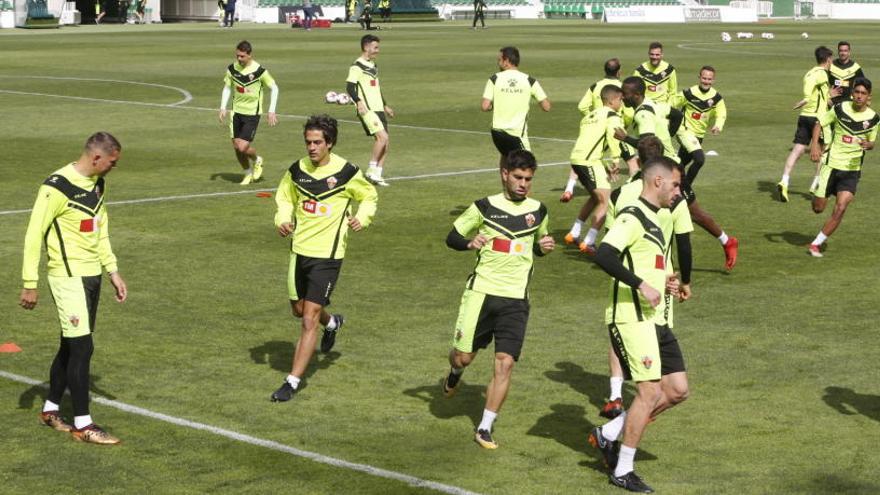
[(592, 100), (314, 206), (362, 86), (634, 253), (507, 94), (70, 216), (854, 128), (479, 13), (244, 81), (815, 101), (842, 72), (510, 229), (650, 118), (659, 76), (699, 104), (596, 138)]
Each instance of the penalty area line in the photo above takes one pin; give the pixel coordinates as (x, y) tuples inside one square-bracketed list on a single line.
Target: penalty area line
[(161, 199), (259, 442)]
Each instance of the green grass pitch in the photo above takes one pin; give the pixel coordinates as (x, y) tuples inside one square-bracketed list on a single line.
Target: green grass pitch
[(782, 352)]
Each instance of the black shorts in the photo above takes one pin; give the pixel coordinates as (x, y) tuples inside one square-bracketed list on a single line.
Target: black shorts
[(483, 317), (312, 279), (804, 133), (842, 180), (505, 143), (586, 176), (671, 358), (245, 126)]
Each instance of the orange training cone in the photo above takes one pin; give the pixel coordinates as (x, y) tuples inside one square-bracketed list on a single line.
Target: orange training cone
[(10, 347)]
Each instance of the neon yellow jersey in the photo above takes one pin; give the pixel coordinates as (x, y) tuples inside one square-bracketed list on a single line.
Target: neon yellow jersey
[(661, 82), (848, 129), (365, 75), (699, 107), (70, 215), (842, 75), (247, 84), (318, 200), (640, 235), (653, 118), (596, 137), (592, 99), (510, 92), (504, 264), (816, 92)]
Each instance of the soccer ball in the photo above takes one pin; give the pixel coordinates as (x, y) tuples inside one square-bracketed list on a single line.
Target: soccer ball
[(744, 36), (331, 97), (725, 37), (767, 36), (343, 99), (805, 36)]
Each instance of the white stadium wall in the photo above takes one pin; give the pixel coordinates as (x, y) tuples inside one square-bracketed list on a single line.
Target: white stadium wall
[(655, 14)]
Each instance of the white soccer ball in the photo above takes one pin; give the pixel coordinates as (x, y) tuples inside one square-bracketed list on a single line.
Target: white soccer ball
[(343, 99), (767, 36), (331, 97), (744, 36), (804, 35), (725, 37)]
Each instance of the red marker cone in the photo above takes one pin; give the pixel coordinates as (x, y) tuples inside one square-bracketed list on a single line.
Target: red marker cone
[(10, 347)]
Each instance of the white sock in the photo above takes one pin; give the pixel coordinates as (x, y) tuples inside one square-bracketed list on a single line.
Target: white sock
[(80, 422), (576, 228), (293, 381), (625, 461), (373, 166), (457, 371), (821, 238), (331, 325), (616, 387), (488, 420), (723, 238), (50, 406), (378, 170), (569, 186), (611, 430), (785, 179), (591, 236)]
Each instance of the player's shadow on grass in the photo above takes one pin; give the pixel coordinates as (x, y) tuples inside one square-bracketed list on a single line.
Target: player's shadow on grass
[(593, 386), (846, 401), (228, 177), (29, 397), (770, 188), (568, 426), (468, 400), (279, 353), (457, 210), (793, 238)]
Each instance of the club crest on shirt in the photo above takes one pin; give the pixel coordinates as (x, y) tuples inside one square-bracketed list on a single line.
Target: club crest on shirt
[(530, 219), (866, 124), (74, 320), (647, 362), (331, 182), (663, 74), (710, 102), (250, 77)]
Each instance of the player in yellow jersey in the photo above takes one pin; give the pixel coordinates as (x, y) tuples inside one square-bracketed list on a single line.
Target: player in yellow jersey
[(70, 217), (843, 71), (660, 77), (816, 100), (244, 81), (854, 127), (508, 94), (314, 202), (509, 230), (363, 87)]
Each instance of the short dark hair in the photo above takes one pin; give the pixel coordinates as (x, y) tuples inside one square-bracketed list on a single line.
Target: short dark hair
[(102, 141), (324, 123), (511, 54), (520, 159), (823, 53), (843, 43), (636, 83), (608, 92), (655, 44), (244, 46), (650, 147), (864, 82), (663, 162), (612, 67), (367, 39), (708, 68)]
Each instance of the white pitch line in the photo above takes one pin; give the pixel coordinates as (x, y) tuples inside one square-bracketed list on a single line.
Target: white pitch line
[(251, 191), (259, 442), (187, 96)]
